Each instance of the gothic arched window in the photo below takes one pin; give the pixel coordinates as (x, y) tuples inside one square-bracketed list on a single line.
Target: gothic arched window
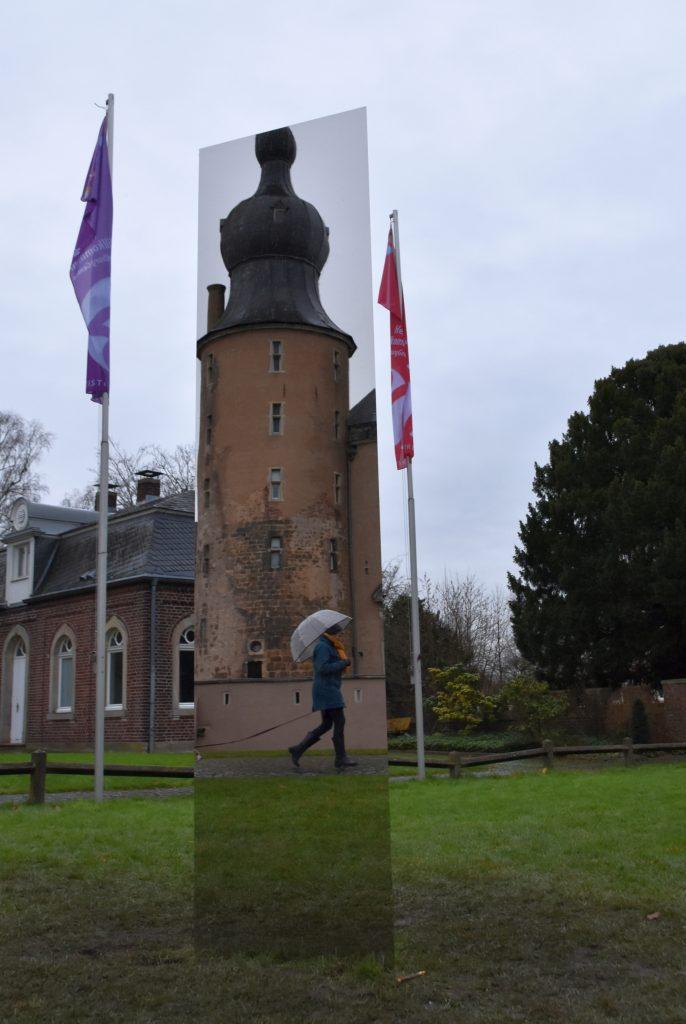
[(115, 670), (186, 656), (64, 674)]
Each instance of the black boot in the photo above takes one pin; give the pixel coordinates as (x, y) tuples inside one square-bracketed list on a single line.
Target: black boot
[(342, 759), (299, 749)]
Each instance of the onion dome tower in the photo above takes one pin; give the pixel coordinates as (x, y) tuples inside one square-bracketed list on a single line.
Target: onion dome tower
[(274, 246), (273, 519)]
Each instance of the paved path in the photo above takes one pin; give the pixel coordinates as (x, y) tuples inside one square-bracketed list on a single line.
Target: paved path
[(256, 766), (110, 794)]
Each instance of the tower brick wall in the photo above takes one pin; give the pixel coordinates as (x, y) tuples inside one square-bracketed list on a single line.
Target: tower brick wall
[(240, 598), (365, 530)]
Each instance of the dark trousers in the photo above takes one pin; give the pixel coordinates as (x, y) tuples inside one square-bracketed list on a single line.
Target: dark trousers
[(331, 718)]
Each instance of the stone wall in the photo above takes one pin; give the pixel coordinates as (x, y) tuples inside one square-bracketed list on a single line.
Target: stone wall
[(603, 711)]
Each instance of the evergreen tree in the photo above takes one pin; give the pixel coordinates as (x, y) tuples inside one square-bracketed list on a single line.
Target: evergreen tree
[(601, 591)]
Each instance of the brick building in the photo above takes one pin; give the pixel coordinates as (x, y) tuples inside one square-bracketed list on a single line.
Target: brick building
[(47, 625)]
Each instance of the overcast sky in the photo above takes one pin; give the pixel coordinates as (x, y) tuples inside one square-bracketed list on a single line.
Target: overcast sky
[(536, 154)]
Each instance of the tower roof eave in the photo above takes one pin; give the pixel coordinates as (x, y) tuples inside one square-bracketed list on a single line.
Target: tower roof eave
[(275, 325)]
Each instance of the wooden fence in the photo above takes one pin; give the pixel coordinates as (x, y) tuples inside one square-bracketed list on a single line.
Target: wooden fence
[(456, 761), (38, 769)]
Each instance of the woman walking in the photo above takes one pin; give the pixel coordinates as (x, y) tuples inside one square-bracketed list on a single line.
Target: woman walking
[(330, 662)]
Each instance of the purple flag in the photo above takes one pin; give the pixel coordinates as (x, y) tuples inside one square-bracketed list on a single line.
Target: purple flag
[(90, 267)]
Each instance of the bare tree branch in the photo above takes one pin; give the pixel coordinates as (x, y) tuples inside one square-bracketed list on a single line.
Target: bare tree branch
[(22, 442), (176, 466)]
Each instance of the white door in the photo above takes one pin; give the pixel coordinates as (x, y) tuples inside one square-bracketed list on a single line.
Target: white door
[(18, 693)]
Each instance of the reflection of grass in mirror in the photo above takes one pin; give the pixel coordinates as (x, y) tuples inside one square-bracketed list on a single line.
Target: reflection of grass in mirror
[(293, 866)]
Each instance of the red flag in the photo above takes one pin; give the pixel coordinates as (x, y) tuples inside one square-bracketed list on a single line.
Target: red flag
[(390, 296)]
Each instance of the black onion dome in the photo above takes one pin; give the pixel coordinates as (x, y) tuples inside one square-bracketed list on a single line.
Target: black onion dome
[(274, 246)]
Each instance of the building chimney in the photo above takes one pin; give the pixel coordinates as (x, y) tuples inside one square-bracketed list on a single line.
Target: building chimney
[(148, 485), (111, 498), (215, 304)]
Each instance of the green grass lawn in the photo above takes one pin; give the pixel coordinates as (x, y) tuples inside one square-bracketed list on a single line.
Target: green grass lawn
[(524, 899), (10, 784)]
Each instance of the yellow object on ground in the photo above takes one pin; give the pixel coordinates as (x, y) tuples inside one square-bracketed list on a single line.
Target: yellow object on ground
[(397, 725)]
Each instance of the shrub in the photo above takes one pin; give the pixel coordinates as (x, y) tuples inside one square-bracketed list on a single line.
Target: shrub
[(531, 705), (458, 700), (485, 743)]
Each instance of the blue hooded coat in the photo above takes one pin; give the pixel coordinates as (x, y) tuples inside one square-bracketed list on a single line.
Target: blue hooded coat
[(328, 671)]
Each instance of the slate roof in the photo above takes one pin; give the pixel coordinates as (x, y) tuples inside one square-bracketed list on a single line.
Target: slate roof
[(48, 520), (60, 513), (362, 420), (155, 538), (365, 410)]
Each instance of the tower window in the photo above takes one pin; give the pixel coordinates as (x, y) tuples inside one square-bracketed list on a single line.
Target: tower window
[(296, 696), (208, 430), (276, 361), (206, 491), (337, 488), (333, 555), (357, 695), (227, 699), (275, 484), (275, 552), (254, 669), (337, 424), (336, 364), (206, 559), (210, 369), (276, 418)]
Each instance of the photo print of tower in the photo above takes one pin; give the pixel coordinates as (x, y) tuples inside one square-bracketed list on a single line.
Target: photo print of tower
[(288, 524), (288, 510)]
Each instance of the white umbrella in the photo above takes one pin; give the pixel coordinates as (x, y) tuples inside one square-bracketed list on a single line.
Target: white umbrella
[(305, 635)]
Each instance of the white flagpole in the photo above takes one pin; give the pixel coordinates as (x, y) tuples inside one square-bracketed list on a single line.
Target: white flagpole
[(101, 563), (416, 654)]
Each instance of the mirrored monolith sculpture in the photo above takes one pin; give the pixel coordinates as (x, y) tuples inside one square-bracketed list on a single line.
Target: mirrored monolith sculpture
[(292, 831)]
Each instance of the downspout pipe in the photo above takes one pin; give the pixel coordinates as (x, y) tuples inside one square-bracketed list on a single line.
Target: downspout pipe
[(153, 663)]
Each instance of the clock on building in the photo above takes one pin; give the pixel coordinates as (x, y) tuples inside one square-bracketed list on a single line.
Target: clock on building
[(20, 515)]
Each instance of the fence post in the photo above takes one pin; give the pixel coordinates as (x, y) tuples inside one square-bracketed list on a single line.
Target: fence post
[(455, 763), (549, 752), (628, 751), (37, 778)]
